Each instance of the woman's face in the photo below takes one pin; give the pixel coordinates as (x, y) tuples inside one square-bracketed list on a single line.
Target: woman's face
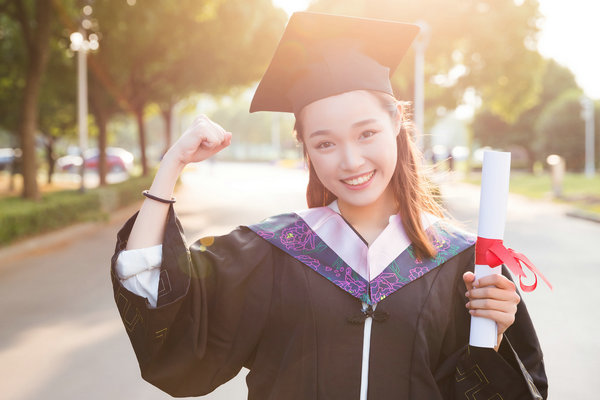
[(351, 142)]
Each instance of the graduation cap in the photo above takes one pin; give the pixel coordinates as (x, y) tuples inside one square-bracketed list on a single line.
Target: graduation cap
[(322, 55)]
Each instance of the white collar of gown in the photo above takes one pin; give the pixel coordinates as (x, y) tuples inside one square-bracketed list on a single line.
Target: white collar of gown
[(367, 261)]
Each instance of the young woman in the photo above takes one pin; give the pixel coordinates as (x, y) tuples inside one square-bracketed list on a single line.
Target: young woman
[(366, 294)]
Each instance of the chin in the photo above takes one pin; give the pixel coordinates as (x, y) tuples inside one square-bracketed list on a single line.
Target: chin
[(362, 200)]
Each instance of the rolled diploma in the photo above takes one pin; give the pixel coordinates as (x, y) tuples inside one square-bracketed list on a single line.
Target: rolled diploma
[(495, 176)]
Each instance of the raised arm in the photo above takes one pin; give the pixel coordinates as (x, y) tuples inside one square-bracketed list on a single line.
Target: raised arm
[(202, 140)]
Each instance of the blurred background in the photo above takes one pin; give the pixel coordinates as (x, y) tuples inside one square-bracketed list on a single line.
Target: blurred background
[(92, 93), (81, 77)]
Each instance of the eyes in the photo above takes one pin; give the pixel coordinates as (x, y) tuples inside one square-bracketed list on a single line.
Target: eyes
[(326, 144), (367, 134), (323, 145)]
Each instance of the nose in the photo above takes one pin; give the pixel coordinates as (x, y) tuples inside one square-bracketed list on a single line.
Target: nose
[(352, 158)]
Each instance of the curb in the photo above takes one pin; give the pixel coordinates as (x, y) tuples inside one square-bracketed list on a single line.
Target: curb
[(588, 216), (63, 236)]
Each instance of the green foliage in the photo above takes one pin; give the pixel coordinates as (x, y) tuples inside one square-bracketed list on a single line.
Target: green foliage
[(58, 98), (37, 80), (159, 50), (563, 129), (162, 51), (252, 128), (490, 129), (487, 45), (557, 79), (24, 217), (12, 80), (20, 218), (123, 193), (155, 51)]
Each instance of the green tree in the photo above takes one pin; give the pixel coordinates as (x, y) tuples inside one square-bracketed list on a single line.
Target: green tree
[(12, 80), (34, 19), (253, 129), (223, 57), (490, 129), (483, 45), (160, 51), (556, 80), (103, 105), (57, 103), (561, 126)]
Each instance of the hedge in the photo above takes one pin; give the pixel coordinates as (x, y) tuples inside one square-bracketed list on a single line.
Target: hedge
[(21, 218)]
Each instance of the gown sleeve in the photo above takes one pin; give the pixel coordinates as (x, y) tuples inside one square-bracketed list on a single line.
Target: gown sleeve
[(516, 371), (139, 271), (213, 301)]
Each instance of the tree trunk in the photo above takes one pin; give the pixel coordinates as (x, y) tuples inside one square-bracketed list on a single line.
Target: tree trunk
[(50, 158), (167, 114), (38, 45), (101, 115), (27, 130), (14, 170), (139, 113), (530, 158)]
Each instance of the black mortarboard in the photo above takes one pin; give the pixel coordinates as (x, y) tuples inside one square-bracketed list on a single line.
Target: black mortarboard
[(321, 55)]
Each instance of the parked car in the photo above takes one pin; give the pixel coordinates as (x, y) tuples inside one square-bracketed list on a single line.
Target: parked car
[(117, 160), (7, 157), (68, 163)]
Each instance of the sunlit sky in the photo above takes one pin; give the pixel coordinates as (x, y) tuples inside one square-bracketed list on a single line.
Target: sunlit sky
[(570, 34)]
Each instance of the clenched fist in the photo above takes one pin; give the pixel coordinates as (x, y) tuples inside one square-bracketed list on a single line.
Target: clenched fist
[(200, 141)]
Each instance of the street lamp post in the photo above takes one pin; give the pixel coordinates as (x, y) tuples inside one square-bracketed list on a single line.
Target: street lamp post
[(587, 113), (81, 45), (420, 46), (82, 106)]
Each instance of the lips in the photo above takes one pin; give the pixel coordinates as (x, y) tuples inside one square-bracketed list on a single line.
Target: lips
[(359, 179)]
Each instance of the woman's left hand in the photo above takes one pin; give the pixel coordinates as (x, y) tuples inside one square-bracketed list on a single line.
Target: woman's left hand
[(494, 297)]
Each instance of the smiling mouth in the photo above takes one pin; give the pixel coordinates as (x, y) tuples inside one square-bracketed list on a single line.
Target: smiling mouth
[(359, 180)]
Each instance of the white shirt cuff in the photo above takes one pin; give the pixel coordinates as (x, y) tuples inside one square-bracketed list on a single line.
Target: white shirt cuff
[(139, 271)]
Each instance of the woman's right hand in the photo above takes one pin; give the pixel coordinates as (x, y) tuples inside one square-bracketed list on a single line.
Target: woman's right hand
[(199, 142)]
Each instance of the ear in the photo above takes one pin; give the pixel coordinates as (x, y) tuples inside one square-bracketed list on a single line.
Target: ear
[(399, 117)]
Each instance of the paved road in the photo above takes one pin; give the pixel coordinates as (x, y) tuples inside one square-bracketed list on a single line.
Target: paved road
[(61, 336)]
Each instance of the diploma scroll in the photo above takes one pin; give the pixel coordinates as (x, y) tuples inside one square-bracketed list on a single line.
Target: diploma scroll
[(492, 217)]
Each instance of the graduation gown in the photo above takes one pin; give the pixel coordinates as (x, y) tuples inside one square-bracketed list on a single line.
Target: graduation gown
[(277, 299)]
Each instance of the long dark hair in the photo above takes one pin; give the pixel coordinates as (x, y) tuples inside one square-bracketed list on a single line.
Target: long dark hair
[(412, 192)]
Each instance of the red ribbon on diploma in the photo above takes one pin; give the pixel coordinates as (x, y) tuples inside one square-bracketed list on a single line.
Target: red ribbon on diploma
[(493, 253)]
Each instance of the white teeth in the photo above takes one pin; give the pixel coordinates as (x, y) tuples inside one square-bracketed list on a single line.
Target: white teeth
[(360, 180)]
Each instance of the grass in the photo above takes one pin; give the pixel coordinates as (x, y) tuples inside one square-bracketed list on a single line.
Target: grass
[(577, 189), (20, 218)]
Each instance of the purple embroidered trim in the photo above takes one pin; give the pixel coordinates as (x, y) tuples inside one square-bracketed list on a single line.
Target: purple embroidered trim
[(448, 241), (291, 233)]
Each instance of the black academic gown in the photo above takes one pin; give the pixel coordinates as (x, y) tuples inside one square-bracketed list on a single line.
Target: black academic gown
[(239, 300)]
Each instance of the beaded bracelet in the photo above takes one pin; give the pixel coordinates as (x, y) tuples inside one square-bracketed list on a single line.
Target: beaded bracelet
[(153, 197)]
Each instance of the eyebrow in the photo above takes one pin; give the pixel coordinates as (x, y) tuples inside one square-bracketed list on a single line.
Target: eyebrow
[(354, 125)]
